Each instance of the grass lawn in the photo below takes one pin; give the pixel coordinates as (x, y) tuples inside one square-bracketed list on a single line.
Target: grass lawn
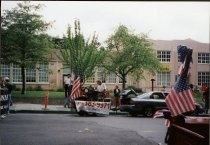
[(56, 97), (38, 94), (37, 97)]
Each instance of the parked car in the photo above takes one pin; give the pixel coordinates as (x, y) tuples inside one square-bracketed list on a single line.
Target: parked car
[(145, 104), (126, 95)]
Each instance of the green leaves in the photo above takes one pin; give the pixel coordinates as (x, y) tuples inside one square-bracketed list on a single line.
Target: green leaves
[(24, 41), (81, 56), (130, 54)]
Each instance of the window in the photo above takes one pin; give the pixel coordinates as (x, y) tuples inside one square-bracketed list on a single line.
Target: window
[(5, 70), (164, 56), (163, 79), (31, 75), (16, 73), (66, 69), (101, 74), (203, 77), (90, 80), (111, 78), (43, 72), (203, 58)]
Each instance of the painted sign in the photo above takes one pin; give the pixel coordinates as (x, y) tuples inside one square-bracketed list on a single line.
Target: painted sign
[(93, 107)]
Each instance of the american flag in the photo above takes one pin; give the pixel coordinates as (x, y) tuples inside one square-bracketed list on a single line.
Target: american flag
[(75, 93), (182, 52), (181, 98)]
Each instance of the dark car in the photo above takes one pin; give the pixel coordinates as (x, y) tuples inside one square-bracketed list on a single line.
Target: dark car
[(148, 103), (126, 95), (145, 104)]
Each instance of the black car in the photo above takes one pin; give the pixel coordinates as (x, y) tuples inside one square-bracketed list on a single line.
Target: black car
[(126, 95), (145, 104)]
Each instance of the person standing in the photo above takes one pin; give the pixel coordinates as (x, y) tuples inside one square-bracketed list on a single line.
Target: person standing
[(8, 85), (117, 97), (101, 89), (206, 99), (67, 89)]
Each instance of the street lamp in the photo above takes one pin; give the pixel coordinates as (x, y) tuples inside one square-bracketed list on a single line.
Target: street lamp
[(152, 84)]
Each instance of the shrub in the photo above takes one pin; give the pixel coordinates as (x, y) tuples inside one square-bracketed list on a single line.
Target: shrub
[(60, 90), (29, 88), (38, 88)]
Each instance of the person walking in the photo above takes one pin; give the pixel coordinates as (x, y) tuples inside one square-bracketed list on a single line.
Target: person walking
[(117, 97)]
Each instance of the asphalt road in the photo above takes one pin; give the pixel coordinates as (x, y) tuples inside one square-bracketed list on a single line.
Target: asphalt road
[(65, 129)]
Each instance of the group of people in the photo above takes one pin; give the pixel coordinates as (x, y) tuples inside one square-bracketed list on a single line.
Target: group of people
[(95, 94)]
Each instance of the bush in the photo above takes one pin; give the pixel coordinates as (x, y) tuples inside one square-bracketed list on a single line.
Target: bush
[(60, 90), (29, 88), (137, 90), (38, 88)]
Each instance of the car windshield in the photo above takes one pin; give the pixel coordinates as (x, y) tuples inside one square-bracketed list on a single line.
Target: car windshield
[(144, 96)]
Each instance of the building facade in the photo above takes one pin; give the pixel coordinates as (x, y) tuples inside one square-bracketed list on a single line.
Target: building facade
[(50, 76)]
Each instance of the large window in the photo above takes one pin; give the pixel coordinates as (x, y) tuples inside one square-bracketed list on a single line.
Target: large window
[(164, 56), (101, 74), (203, 77), (16, 74), (111, 78), (43, 72), (90, 80), (203, 58), (163, 79), (66, 69), (5, 70), (31, 75)]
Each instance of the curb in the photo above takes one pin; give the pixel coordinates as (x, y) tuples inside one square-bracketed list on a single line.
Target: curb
[(58, 112)]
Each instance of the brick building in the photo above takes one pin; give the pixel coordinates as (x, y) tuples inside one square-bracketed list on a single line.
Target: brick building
[(50, 76)]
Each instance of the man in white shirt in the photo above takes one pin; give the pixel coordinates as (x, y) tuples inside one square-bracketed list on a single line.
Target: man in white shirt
[(101, 89), (67, 89)]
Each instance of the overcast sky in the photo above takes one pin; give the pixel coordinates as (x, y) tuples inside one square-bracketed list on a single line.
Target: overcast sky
[(160, 20)]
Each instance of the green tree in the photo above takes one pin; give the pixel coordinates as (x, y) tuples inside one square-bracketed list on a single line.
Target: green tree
[(23, 41), (81, 55), (130, 54)]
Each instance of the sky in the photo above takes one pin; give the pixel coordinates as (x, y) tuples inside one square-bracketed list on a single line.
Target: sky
[(159, 20)]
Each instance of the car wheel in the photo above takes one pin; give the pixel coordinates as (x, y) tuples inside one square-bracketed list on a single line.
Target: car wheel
[(148, 111), (82, 113)]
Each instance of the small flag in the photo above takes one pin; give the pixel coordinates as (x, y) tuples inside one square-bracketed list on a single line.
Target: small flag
[(75, 89), (181, 99)]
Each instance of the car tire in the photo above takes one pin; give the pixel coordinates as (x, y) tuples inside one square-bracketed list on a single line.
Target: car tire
[(82, 113), (148, 111)]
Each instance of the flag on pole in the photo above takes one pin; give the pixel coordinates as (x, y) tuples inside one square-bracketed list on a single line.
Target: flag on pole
[(75, 93), (181, 98)]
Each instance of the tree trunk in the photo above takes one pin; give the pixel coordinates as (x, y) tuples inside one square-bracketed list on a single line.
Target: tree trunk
[(123, 82), (23, 79)]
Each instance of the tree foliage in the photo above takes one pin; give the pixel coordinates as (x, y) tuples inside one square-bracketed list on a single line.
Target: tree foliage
[(130, 54), (23, 41), (81, 55)]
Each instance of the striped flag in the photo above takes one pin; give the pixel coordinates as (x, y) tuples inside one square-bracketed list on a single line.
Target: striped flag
[(181, 98), (75, 93)]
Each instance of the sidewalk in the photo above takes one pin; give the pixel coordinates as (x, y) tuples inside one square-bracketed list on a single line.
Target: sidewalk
[(51, 109)]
